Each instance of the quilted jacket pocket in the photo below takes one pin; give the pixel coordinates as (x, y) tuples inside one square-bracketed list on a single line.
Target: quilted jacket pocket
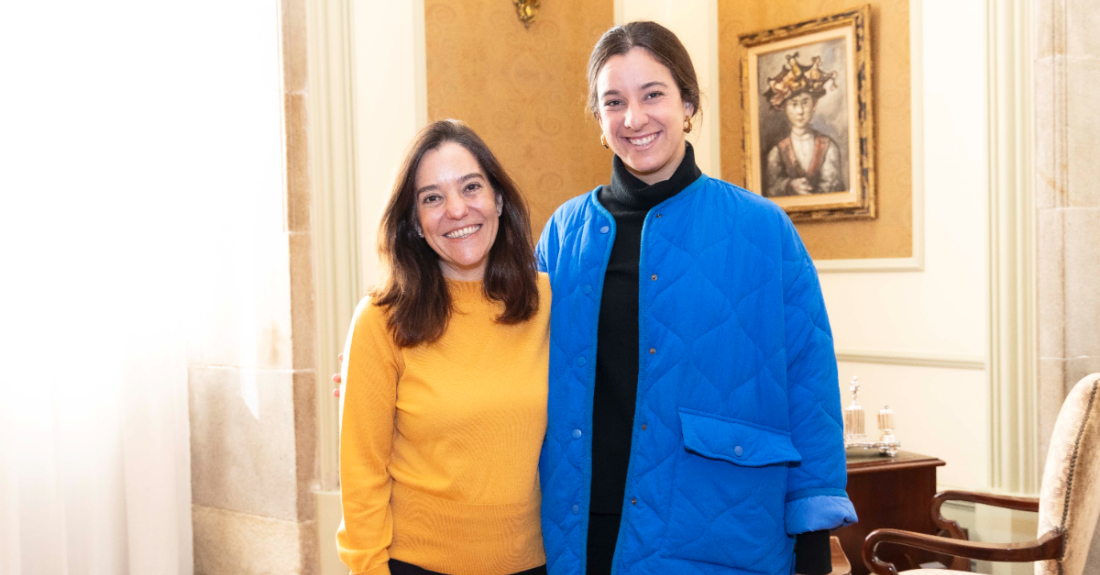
[(728, 495), (739, 443)]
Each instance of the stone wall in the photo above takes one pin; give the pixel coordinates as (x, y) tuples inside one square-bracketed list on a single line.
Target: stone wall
[(252, 383), (1067, 130)]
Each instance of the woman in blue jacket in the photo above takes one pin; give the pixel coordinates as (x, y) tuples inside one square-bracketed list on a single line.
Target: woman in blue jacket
[(694, 412)]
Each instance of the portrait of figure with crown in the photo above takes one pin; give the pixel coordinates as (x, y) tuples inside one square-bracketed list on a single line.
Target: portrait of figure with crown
[(808, 134), (807, 159)]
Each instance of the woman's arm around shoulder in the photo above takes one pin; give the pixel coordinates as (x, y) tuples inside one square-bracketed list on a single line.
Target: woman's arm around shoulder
[(371, 370)]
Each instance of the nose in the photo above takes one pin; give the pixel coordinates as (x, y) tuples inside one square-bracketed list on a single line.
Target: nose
[(635, 117), (456, 208)]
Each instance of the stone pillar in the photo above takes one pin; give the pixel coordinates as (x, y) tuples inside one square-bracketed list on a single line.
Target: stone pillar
[(1067, 80), (1067, 129), (252, 382)]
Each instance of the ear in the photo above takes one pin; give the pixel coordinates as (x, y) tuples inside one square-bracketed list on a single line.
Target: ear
[(500, 204), (689, 110)]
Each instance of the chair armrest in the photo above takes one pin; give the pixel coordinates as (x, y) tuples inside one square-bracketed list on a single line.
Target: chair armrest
[(1004, 501), (953, 528), (1050, 546)]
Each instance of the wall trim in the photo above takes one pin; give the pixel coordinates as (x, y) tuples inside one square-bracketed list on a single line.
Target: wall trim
[(334, 211), (1013, 348), (914, 263), (934, 360)]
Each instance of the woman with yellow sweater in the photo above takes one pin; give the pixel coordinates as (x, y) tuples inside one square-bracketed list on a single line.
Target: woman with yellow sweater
[(444, 407)]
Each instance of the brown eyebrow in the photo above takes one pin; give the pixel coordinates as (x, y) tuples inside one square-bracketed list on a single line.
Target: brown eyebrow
[(652, 84), (463, 179), (645, 86)]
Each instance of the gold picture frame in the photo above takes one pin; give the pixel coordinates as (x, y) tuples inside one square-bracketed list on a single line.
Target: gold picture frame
[(809, 125)]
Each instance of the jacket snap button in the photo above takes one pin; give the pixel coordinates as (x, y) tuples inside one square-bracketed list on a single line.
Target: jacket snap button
[(738, 451), (653, 277), (634, 501), (643, 427), (605, 229), (586, 289), (581, 361), (658, 215), (652, 350), (576, 509), (577, 434)]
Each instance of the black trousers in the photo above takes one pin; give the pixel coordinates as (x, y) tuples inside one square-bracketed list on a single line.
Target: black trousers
[(402, 568)]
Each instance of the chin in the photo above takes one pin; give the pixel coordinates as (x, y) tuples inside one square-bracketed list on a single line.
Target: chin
[(646, 164)]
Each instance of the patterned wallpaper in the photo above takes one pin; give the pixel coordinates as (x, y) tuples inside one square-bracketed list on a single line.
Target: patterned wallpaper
[(522, 90), (891, 234)]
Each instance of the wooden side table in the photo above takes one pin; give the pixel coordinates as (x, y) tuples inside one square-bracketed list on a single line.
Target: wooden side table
[(890, 492)]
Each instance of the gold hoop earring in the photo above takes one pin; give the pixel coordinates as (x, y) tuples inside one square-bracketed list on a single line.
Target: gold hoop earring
[(687, 124), (603, 140)]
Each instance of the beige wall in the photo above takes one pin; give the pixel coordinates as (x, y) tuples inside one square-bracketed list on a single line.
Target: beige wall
[(919, 340), (523, 90), (890, 234), (251, 384)]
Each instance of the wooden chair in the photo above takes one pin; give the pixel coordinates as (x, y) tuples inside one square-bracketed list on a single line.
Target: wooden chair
[(1068, 503)]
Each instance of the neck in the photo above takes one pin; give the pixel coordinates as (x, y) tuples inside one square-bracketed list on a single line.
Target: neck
[(628, 193), (474, 274), (799, 130)]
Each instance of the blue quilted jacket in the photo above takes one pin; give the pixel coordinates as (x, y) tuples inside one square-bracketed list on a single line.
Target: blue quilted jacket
[(737, 443)]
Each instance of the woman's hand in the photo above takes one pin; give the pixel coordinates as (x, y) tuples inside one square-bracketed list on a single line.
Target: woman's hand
[(336, 378)]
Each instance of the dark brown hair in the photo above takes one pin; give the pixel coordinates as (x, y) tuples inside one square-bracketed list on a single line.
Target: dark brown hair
[(660, 42), (414, 290)]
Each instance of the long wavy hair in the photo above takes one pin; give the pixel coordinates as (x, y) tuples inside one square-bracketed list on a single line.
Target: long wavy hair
[(414, 290)]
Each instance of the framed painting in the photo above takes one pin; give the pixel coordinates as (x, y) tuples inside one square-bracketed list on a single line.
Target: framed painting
[(809, 133)]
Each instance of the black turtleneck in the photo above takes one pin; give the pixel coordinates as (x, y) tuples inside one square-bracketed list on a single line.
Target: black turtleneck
[(629, 200)]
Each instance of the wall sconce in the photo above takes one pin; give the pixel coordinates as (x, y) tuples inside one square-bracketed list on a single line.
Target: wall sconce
[(526, 10)]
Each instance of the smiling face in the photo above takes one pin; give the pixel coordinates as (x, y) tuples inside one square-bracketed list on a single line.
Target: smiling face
[(642, 114), (457, 210)]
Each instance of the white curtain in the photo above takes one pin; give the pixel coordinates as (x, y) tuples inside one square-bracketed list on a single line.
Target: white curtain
[(114, 157), (94, 448)]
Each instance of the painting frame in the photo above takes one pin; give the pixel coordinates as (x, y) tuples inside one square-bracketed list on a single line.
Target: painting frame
[(826, 170)]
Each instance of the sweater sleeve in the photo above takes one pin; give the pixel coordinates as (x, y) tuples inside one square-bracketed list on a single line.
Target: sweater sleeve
[(816, 499), (372, 368)]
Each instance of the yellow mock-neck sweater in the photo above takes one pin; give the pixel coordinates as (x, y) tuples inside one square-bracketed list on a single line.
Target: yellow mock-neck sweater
[(439, 443)]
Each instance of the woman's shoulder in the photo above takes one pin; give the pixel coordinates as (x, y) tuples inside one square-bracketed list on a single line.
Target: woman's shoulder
[(721, 189), (722, 199), (370, 316)]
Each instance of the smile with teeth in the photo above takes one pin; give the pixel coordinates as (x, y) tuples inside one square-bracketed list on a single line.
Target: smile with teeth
[(643, 140), (462, 232)]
